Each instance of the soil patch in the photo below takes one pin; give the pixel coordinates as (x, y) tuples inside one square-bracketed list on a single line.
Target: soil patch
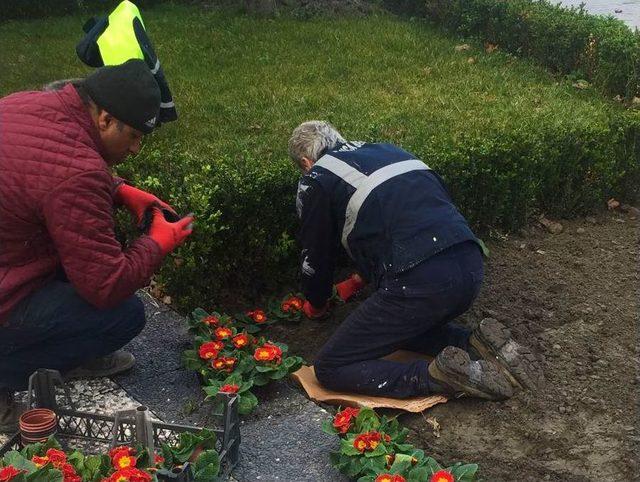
[(574, 297)]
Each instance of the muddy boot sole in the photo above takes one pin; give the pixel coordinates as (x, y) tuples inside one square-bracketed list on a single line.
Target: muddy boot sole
[(454, 369), (492, 340)]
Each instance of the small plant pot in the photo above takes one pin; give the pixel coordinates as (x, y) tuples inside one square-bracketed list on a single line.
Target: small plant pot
[(37, 425)]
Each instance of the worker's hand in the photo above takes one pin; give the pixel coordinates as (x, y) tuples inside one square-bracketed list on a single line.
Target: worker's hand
[(348, 288), (169, 235), (137, 201), (313, 313)]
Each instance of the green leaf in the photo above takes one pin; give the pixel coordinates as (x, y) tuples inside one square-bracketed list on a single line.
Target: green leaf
[(46, 474), (367, 420), (207, 466), (419, 474), (327, 427), (355, 467), (404, 448), (246, 403), (381, 449), (16, 459), (92, 465), (199, 314), (464, 473), (347, 448), (167, 454), (432, 465), (401, 463), (264, 369), (279, 373), (261, 379)]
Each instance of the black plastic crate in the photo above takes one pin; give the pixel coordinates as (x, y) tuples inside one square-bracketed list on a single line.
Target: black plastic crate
[(97, 433)]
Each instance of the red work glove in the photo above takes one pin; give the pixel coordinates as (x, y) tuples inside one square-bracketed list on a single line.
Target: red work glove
[(137, 201), (169, 235), (349, 287), (314, 313)]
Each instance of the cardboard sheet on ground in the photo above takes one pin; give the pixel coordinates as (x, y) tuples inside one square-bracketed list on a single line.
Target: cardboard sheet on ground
[(307, 378)]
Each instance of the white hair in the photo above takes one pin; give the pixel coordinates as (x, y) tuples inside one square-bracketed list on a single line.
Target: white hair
[(311, 138)]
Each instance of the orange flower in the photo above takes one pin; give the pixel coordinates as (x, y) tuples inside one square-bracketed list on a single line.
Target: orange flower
[(268, 352), (40, 461), (224, 363), (373, 439), (7, 473), (211, 320), (122, 460), (69, 473), (295, 303), (361, 443), (342, 420), (442, 476), (241, 340), (367, 441), (57, 457), (285, 306), (218, 345), (390, 478), (208, 350), (229, 388), (129, 475), (384, 478), (121, 448), (223, 332), (258, 316)]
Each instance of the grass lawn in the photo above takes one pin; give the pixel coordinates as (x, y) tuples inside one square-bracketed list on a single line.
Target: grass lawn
[(242, 84)]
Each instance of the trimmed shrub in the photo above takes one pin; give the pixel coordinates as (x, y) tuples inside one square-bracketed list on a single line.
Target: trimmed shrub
[(244, 242), (25, 9), (567, 40)]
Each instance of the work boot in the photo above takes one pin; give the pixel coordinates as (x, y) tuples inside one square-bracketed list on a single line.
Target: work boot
[(10, 412), (118, 362), (457, 374), (492, 341)]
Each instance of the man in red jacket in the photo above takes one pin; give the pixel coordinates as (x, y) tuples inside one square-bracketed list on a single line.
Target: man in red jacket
[(67, 285)]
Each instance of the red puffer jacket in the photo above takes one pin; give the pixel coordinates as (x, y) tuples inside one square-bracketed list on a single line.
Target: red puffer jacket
[(56, 205)]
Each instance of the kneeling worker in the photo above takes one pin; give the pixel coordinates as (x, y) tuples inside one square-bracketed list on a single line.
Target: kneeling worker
[(394, 217)]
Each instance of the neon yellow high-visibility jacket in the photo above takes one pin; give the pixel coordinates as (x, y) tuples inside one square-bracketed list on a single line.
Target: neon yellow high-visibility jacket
[(114, 39)]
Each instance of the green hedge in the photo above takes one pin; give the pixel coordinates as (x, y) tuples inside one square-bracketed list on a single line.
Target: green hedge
[(32, 9), (244, 241), (567, 40)]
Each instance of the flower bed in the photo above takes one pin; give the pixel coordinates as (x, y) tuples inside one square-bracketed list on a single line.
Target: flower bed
[(373, 449), (47, 462), (229, 356)]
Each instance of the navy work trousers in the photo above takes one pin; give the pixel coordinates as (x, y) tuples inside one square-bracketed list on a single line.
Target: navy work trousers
[(411, 311), (55, 328)]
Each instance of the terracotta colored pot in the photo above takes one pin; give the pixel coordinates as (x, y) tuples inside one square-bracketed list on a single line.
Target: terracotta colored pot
[(37, 425)]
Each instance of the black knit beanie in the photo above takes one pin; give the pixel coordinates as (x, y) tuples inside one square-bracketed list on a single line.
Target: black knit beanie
[(128, 92)]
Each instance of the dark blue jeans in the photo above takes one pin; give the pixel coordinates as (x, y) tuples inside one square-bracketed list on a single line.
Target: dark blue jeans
[(412, 311), (55, 328)]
